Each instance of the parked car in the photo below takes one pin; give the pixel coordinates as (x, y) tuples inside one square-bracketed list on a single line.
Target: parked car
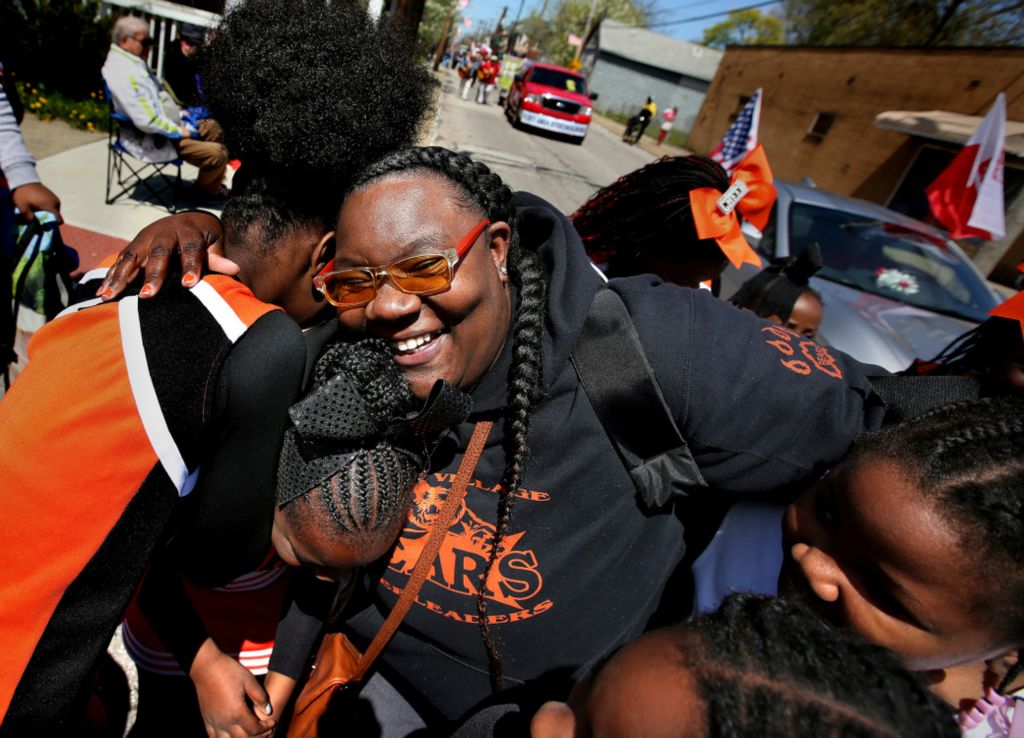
[(551, 98), (894, 288)]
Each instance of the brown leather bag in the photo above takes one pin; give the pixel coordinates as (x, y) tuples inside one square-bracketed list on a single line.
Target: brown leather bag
[(338, 662)]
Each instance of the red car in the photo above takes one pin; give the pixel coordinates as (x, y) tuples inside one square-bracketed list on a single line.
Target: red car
[(552, 98)]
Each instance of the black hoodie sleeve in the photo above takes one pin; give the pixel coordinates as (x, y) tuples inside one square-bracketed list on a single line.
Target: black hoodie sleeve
[(762, 408)]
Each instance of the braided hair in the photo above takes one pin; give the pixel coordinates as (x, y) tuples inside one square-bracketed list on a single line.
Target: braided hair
[(481, 189), (353, 474), (308, 93), (967, 458), (769, 666), (644, 217), (978, 351)]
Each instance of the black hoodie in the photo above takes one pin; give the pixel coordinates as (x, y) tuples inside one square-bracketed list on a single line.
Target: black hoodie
[(582, 567)]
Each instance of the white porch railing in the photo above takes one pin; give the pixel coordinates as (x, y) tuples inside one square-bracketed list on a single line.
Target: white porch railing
[(164, 19)]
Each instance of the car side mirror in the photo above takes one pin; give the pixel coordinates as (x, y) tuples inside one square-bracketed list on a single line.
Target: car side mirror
[(593, 95)]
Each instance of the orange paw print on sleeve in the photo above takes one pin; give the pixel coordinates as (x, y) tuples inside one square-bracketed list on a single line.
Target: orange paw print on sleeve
[(817, 356), (822, 358)]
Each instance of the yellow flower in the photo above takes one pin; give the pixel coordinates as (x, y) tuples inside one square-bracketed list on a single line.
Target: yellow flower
[(42, 99)]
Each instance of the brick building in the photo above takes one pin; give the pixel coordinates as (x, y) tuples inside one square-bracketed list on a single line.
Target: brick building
[(878, 124)]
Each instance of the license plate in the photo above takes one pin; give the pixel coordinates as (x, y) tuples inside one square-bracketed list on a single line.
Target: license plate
[(554, 124)]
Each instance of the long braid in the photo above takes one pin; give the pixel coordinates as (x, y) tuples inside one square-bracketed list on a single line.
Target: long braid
[(482, 189)]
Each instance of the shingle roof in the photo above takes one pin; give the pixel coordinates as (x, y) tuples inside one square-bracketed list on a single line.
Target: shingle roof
[(658, 50)]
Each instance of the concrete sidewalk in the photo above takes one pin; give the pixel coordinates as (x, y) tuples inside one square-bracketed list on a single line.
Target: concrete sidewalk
[(73, 163)]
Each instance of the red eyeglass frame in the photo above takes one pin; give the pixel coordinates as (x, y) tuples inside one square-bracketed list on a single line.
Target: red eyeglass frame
[(452, 255)]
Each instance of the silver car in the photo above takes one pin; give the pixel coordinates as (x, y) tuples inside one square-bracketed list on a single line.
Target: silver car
[(894, 288)]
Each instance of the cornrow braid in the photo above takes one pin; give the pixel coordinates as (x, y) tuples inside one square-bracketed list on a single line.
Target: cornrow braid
[(483, 190), (342, 456), (646, 212), (769, 666), (966, 458)]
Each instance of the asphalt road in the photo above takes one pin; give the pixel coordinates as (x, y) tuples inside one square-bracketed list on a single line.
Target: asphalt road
[(564, 173)]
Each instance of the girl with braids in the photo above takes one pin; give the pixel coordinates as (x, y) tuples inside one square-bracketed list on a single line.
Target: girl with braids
[(642, 224), (914, 542), (993, 351), (552, 562), (756, 667), (782, 293)]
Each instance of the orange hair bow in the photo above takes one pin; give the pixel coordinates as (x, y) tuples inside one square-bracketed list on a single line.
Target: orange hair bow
[(751, 193), (1012, 309)]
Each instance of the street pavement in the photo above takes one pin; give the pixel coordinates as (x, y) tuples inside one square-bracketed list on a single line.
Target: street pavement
[(562, 172)]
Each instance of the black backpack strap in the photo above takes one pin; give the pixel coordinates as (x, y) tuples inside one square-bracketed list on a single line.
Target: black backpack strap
[(613, 369), (907, 397)]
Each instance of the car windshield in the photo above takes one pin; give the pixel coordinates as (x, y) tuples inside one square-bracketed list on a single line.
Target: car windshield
[(890, 260), (561, 80)]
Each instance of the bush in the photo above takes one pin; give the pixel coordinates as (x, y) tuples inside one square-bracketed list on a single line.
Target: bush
[(89, 114), (57, 43)]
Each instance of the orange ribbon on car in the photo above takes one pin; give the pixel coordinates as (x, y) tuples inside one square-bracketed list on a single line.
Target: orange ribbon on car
[(1012, 309), (751, 194)]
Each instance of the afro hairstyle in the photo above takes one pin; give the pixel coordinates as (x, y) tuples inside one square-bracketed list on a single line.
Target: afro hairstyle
[(308, 92)]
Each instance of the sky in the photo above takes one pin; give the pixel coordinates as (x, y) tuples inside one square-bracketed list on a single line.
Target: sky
[(485, 14)]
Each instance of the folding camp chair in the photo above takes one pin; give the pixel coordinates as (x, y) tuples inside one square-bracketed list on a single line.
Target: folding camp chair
[(128, 173)]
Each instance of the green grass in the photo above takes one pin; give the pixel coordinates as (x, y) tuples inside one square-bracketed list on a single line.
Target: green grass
[(674, 138), (89, 114)]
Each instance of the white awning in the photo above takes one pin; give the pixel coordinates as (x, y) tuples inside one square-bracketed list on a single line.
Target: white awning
[(942, 125)]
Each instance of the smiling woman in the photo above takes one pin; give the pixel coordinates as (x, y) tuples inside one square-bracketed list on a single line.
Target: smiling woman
[(551, 556)]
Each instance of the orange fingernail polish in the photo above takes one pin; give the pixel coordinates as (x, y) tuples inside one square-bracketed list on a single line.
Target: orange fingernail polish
[(146, 291), (107, 293), (189, 280)]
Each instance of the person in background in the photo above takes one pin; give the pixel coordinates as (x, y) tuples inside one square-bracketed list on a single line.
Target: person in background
[(646, 222), (137, 93), (180, 73), (757, 667), (994, 351), (781, 293), (17, 165), (668, 117), (486, 75), (647, 113), (468, 71)]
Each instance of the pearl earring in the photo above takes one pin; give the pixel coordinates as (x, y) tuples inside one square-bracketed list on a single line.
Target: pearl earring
[(503, 271)]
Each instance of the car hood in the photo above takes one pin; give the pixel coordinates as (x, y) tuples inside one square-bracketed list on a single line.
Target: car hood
[(536, 89), (877, 330)]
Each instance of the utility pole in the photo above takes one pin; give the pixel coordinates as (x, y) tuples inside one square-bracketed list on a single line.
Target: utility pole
[(586, 30), (443, 43), (406, 18), (514, 30)]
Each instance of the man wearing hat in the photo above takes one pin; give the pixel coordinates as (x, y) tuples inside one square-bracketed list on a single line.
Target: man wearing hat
[(180, 74)]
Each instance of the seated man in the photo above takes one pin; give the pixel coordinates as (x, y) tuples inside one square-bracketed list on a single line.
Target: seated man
[(137, 93)]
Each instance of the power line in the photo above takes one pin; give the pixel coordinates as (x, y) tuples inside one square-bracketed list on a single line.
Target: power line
[(712, 15)]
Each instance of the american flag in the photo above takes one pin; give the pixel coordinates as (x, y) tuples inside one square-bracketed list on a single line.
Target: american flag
[(741, 137)]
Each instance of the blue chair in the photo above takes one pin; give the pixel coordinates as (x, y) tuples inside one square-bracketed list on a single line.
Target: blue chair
[(129, 173)]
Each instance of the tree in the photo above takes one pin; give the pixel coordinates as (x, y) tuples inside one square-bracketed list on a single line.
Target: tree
[(435, 15), (552, 37), (744, 27), (905, 22)]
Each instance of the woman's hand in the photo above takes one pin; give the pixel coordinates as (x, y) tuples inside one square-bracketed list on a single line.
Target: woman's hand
[(231, 700), (195, 235)]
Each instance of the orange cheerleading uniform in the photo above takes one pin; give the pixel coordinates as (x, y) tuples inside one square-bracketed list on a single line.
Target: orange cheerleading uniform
[(103, 435)]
